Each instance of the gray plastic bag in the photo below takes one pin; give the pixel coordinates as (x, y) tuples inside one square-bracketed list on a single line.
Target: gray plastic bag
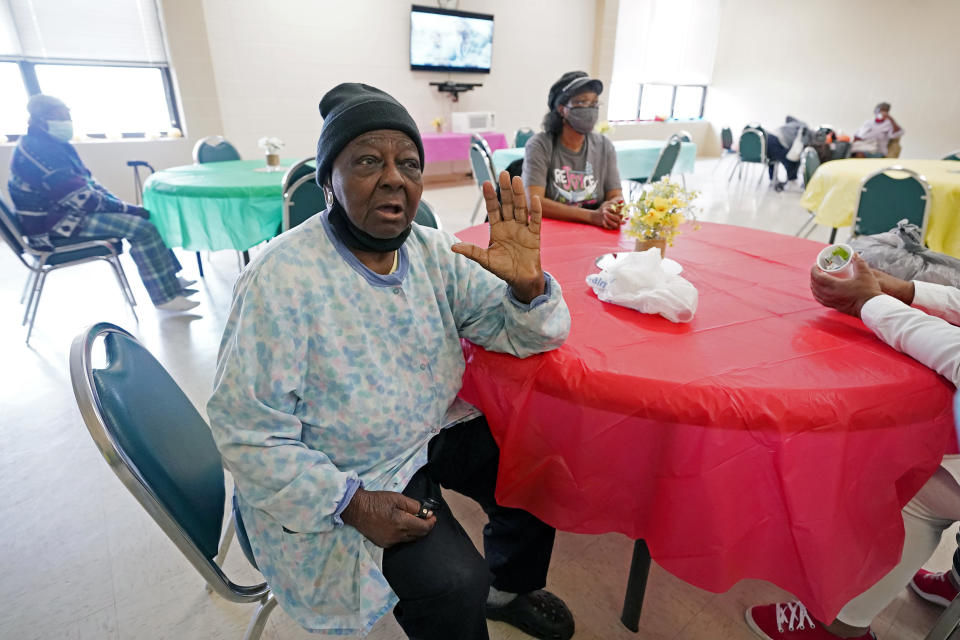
[(900, 252)]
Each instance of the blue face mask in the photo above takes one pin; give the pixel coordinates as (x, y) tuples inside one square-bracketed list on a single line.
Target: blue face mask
[(62, 130)]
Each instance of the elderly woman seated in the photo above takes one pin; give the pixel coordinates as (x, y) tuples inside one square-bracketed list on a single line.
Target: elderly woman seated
[(335, 404)]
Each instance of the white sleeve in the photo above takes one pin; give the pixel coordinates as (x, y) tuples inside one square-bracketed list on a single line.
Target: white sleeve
[(938, 300), (927, 339)]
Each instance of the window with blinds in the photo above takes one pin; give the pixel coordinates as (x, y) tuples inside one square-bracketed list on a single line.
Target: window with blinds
[(105, 59)]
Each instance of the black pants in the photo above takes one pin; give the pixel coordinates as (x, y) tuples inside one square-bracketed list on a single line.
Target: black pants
[(441, 579), (776, 152)]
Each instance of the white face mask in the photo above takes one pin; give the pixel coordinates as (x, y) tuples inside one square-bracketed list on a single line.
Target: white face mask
[(60, 129)]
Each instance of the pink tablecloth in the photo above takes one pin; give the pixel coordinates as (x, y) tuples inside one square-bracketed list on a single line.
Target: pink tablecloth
[(448, 147)]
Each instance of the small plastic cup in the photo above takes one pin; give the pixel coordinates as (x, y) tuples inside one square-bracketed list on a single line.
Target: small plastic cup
[(837, 260)]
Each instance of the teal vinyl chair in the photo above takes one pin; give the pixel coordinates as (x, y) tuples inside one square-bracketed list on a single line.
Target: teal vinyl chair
[(809, 163), (523, 135), (162, 450), (752, 150), (426, 215), (482, 165), (886, 199), (302, 196), (953, 156), (666, 160), (214, 149), (66, 253)]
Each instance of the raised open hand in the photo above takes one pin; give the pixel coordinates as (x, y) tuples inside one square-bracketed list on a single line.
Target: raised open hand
[(514, 251)]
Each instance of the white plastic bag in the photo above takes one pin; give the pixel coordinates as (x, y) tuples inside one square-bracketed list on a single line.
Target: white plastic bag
[(796, 149), (642, 281)]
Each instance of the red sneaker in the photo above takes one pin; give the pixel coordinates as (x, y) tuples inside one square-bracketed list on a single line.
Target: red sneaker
[(790, 621), (934, 587)]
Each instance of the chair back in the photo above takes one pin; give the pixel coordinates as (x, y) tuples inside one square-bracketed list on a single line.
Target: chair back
[(667, 159), (481, 163), (522, 136), (214, 149), (11, 230), (685, 136), (307, 166), (304, 199), (426, 216), (886, 199), (953, 156), (753, 145), (726, 138), (157, 444), (809, 161)]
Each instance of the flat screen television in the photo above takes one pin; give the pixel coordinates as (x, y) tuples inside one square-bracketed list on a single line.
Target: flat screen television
[(448, 40)]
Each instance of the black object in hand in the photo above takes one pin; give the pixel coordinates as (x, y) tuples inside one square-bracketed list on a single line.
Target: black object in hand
[(427, 505)]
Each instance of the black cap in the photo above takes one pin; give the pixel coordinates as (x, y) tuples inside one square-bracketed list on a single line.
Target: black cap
[(351, 109), (570, 84)]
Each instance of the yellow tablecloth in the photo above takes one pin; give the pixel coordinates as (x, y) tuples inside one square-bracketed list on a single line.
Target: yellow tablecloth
[(832, 195)]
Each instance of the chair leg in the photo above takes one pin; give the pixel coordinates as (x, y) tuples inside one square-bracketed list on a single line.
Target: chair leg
[(259, 619), (833, 235), (636, 586), (124, 285), (199, 264), (809, 222), (27, 285), (735, 167), (476, 207), (947, 624), (33, 294), (36, 303)]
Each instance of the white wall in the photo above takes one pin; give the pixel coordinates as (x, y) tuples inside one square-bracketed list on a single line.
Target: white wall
[(199, 108), (273, 61), (825, 61)]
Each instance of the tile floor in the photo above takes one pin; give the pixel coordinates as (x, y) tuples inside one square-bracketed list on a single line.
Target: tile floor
[(80, 559)]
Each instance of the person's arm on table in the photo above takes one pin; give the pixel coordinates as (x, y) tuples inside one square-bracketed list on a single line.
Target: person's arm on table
[(526, 316), (259, 373), (929, 340)]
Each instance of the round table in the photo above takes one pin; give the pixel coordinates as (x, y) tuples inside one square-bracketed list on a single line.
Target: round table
[(834, 189), (769, 438), (635, 158), (216, 205)]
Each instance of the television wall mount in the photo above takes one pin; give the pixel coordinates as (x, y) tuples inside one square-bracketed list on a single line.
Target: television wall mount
[(455, 88)]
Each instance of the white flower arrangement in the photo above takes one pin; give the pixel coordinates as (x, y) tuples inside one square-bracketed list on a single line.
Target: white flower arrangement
[(271, 145)]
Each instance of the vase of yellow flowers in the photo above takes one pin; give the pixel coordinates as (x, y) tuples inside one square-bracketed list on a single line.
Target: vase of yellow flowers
[(437, 124), (654, 218)]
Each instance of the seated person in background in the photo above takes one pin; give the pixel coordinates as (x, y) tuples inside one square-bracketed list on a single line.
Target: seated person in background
[(338, 414), (873, 138), (779, 141), (569, 167), (56, 197), (927, 334)]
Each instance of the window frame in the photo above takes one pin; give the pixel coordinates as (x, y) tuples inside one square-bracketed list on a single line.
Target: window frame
[(28, 74), (673, 98)]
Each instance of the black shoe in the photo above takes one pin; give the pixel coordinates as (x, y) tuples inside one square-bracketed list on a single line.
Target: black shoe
[(538, 613)]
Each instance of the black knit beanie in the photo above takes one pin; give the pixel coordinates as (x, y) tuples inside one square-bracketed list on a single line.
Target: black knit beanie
[(351, 109)]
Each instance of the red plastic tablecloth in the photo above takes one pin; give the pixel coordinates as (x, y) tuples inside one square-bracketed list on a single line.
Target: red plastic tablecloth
[(769, 438), (447, 147)]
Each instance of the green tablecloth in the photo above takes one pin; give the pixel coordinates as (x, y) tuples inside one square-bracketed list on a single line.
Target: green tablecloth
[(635, 158), (217, 205)]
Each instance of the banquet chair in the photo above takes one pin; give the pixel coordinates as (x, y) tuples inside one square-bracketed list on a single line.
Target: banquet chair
[(163, 452), (666, 160), (809, 162), (482, 165), (65, 253), (302, 196), (884, 200), (426, 215), (752, 150), (684, 136), (953, 156), (726, 139), (522, 136), (214, 149)]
